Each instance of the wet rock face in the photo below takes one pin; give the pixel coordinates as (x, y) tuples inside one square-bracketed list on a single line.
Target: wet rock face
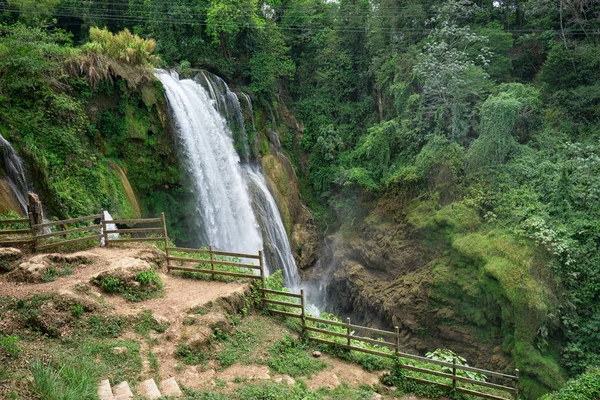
[(382, 276), (304, 235)]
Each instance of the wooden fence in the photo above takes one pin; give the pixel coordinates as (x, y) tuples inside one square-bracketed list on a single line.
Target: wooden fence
[(49, 235), (391, 341), (215, 259), (177, 257), (16, 237)]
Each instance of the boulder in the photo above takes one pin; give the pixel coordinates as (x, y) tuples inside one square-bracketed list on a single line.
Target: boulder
[(8, 258)]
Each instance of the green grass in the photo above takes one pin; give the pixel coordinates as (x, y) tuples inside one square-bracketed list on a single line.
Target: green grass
[(237, 346), (147, 285), (51, 273), (153, 360), (76, 381), (190, 356), (290, 356), (145, 323)]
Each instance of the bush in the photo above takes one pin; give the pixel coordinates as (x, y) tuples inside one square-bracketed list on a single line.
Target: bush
[(584, 387)]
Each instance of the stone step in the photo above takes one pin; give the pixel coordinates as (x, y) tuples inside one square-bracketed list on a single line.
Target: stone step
[(148, 389), (169, 387), (104, 392), (122, 391)]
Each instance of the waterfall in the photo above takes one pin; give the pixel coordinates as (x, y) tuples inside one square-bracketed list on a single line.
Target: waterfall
[(109, 227), (14, 174), (235, 210), (228, 104), (277, 247)]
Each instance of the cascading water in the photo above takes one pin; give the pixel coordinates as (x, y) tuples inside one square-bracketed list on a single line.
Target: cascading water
[(277, 247), (226, 219), (234, 205), (14, 174)]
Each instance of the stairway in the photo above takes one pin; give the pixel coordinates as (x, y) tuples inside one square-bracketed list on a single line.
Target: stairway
[(147, 389)]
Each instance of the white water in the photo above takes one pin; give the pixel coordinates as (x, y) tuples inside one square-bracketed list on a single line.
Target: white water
[(15, 175), (235, 210), (109, 227), (227, 220), (277, 246)]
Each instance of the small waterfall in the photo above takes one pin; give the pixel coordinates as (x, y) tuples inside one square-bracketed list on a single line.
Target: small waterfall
[(277, 247), (14, 174), (109, 227), (235, 210)]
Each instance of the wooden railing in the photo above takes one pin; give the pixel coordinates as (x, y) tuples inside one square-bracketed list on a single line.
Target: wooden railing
[(292, 305), (44, 241), (215, 259), (7, 236), (153, 226), (389, 341), (49, 235)]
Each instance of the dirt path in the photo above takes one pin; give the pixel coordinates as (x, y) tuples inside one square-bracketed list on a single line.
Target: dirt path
[(180, 295)]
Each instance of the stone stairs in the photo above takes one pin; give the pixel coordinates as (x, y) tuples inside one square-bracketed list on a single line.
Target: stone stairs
[(147, 389)]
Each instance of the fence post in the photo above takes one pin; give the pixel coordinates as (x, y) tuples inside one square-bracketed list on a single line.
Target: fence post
[(454, 373), (517, 384), (164, 225), (212, 261), (262, 274), (348, 331), (104, 234), (303, 315), (33, 231)]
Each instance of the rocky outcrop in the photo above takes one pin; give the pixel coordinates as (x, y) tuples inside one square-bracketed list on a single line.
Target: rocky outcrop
[(8, 258), (304, 235), (382, 275), (39, 267)]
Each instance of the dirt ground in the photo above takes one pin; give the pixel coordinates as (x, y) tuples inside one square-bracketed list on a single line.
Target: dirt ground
[(181, 295)]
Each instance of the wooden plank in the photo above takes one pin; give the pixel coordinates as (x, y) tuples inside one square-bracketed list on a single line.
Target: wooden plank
[(134, 221), (14, 221), (325, 321), (286, 314), (188, 250), (427, 382), (15, 231), (374, 352), (479, 394), (215, 272), (460, 367), (67, 221), (15, 242), (234, 264), (146, 239), (326, 332), (63, 242), (137, 230), (240, 255), (391, 345), (67, 232), (283, 303), (220, 253), (373, 330), (279, 292), (202, 261)]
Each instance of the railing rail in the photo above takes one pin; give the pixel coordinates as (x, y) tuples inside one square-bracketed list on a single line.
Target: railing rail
[(13, 237), (214, 262), (388, 349), (283, 305)]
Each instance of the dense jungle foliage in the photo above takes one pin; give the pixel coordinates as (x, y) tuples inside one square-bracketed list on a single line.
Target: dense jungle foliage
[(479, 118)]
